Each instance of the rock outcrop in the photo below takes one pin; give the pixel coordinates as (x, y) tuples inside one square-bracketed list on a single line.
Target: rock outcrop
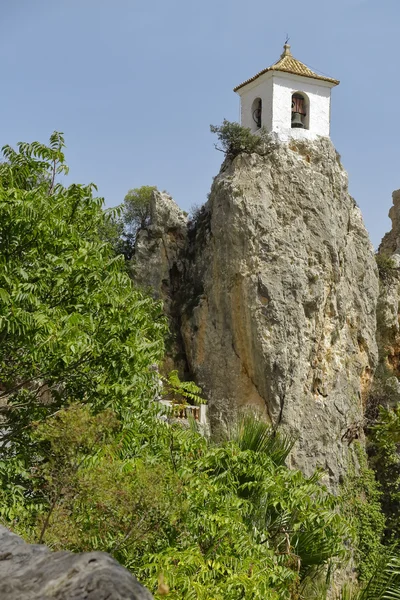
[(160, 264), (32, 572), (388, 312), (390, 244), (273, 292)]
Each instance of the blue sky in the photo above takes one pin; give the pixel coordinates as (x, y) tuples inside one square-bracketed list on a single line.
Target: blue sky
[(135, 84)]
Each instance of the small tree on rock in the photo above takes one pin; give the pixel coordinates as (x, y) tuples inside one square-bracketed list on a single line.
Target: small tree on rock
[(235, 139), (125, 221), (136, 208)]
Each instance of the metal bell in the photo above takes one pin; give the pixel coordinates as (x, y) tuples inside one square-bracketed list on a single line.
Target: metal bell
[(297, 120)]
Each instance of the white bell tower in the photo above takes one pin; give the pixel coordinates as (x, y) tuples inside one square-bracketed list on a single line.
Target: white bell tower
[(288, 99)]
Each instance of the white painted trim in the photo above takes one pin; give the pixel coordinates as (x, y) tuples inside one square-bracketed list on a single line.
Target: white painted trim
[(284, 74)]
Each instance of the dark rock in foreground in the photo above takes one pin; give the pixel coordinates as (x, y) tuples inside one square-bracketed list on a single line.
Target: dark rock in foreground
[(33, 572)]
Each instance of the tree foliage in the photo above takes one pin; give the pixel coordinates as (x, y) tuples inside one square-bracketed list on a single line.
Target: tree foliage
[(72, 326), (124, 222), (227, 521), (235, 139), (384, 451), (136, 210), (361, 499), (383, 584)]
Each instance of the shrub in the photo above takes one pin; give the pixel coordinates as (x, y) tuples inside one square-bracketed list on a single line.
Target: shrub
[(360, 501), (384, 451), (227, 521), (386, 266), (195, 212), (235, 140)]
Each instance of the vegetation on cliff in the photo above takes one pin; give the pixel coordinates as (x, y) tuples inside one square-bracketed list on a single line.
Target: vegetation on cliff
[(384, 451), (90, 459), (122, 227), (235, 139)]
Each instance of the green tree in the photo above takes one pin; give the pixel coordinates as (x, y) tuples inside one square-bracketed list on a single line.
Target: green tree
[(114, 232), (123, 223), (235, 139), (136, 208), (72, 326)]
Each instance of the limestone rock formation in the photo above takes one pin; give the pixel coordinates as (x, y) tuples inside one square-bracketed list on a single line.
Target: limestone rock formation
[(391, 242), (32, 572), (158, 248), (159, 264), (273, 291), (388, 312)]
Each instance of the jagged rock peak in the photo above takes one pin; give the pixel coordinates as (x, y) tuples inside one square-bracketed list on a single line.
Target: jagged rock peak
[(274, 294), (388, 311), (165, 213), (158, 246), (391, 241)]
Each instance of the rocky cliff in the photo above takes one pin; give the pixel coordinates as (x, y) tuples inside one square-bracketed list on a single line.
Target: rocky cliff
[(272, 293), (388, 311)]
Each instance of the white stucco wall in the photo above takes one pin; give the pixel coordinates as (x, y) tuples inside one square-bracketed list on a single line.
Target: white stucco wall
[(260, 89), (275, 90), (319, 101)]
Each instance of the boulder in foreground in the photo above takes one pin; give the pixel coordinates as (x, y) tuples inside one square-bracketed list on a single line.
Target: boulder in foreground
[(33, 572)]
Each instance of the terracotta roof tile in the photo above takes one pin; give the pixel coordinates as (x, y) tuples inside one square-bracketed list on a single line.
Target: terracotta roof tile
[(288, 64)]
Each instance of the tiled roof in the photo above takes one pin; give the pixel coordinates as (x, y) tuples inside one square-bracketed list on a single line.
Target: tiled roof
[(288, 64)]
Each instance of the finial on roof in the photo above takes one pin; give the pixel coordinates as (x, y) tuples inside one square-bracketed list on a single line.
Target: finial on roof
[(286, 49)]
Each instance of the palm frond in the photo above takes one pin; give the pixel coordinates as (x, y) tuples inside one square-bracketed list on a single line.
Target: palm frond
[(250, 433), (385, 581)]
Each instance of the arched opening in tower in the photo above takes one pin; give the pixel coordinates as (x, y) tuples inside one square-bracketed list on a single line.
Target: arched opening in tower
[(256, 111), (300, 111)]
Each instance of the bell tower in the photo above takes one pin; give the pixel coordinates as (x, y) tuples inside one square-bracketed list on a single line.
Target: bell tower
[(288, 99)]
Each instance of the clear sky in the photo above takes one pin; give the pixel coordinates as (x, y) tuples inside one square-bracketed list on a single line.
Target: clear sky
[(135, 84)]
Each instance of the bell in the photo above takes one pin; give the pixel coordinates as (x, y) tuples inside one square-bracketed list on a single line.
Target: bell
[(297, 120)]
